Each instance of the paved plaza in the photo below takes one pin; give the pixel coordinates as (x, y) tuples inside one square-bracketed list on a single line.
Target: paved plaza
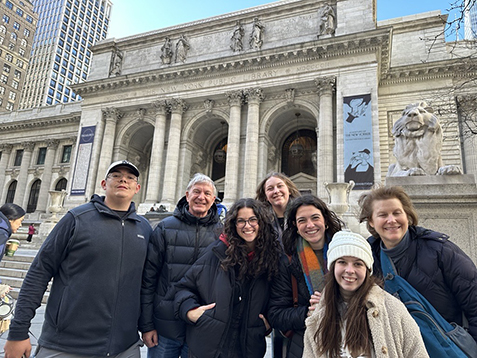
[(38, 321)]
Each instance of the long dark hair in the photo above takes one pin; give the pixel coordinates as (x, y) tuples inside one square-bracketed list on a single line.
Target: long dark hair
[(12, 211), (358, 336), (267, 247), (290, 235)]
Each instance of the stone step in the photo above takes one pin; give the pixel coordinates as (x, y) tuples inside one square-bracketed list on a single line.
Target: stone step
[(13, 272), (18, 265)]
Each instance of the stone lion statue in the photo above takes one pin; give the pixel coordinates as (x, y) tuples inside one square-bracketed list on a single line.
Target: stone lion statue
[(418, 144)]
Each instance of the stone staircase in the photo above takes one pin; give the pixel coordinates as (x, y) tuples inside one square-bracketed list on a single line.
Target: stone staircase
[(13, 269)]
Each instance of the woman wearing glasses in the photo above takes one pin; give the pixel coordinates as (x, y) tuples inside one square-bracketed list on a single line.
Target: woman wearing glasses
[(225, 294), (309, 228)]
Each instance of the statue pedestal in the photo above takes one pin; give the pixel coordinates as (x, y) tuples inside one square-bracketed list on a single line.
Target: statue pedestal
[(445, 203)]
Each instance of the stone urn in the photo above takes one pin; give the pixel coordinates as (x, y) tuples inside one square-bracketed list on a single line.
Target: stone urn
[(56, 204), (339, 196)]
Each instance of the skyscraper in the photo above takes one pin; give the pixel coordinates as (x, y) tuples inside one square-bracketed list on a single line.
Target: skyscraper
[(470, 20), (61, 54), (16, 33)]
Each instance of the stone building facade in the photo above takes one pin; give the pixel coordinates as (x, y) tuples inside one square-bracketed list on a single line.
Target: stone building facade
[(269, 86)]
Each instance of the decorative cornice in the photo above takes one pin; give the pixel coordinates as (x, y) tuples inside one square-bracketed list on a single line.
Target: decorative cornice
[(326, 49), (428, 71), (31, 124)]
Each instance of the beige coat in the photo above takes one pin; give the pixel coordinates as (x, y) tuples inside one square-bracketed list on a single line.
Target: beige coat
[(394, 332)]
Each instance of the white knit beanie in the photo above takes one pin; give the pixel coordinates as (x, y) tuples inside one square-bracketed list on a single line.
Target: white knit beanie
[(347, 243)]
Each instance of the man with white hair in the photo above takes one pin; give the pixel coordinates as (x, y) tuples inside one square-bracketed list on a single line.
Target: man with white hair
[(176, 243)]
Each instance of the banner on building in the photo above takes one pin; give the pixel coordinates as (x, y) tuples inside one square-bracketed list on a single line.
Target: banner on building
[(358, 141), (83, 159)]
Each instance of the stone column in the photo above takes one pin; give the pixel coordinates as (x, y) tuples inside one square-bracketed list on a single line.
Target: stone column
[(23, 175), (177, 108), (157, 152), (52, 146), (235, 99), (250, 174), (6, 150), (325, 152), (111, 116)]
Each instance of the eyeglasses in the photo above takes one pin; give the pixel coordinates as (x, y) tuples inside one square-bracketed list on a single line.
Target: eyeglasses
[(253, 221), (119, 176)]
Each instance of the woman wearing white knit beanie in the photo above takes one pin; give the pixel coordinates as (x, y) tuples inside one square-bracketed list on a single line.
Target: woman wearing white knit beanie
[(355, 317)]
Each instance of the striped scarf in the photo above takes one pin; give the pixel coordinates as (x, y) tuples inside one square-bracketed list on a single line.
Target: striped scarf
[(314, 274)]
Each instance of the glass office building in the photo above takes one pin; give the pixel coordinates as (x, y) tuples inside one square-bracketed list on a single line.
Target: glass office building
[(61, 54)]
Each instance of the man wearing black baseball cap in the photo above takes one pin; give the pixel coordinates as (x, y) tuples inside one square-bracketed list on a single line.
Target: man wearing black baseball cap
[(95, 255)]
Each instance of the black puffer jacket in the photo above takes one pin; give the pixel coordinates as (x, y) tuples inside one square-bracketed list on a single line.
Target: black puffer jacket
[(176, 243), (440, 271), (281, 313), (206, 282)]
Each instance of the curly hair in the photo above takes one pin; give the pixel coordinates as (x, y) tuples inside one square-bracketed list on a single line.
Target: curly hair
[(261, 193), (290, 235), (380, 192), (358, 335), (267, 246)]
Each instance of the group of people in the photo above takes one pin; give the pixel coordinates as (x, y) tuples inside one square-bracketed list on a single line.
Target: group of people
[(199, 287)]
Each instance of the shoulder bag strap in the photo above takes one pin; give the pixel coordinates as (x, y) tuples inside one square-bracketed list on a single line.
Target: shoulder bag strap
[(294, 285)]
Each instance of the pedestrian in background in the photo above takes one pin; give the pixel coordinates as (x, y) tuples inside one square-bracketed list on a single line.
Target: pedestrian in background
[(31, 232)]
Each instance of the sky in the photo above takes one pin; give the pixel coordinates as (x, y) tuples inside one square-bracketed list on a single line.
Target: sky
[(130, 17)]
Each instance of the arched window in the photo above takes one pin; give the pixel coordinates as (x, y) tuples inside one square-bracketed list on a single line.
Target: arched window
[(13, 36), (33, 199), (11, 192), (61, 185), (303, 160), (3, 29), (24, 43)]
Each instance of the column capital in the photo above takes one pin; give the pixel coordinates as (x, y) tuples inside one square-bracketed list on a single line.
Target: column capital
[(160, 106), (6, 148), (177, 105), (112, 113), (28, 146), (325, 84), (235, 98), (52, 143), (254, 95)]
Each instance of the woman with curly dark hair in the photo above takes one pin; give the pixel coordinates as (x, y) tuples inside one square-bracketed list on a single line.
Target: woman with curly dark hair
[(224, 296), (309, 228)]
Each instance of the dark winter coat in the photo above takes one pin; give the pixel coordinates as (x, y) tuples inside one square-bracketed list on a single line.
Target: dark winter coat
[(176, 243), (281, 313), (440, 271), (5, 233), (96, 259), (206, 282)]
